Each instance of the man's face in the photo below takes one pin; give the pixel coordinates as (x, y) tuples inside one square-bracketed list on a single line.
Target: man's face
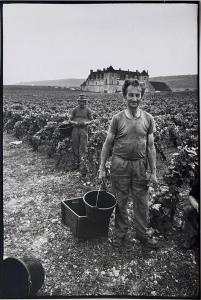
[(82, 104), (133, 96)]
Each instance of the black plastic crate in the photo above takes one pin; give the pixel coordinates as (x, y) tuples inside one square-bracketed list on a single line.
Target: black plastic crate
[(73, 214), (65, 129)]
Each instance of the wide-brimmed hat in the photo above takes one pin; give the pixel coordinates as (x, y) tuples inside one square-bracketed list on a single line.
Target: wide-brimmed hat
[(82, 97)]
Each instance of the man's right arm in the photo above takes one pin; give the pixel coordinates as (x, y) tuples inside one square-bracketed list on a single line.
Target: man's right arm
[(72, 117), (194, 194), (193, 202), (107, 146)]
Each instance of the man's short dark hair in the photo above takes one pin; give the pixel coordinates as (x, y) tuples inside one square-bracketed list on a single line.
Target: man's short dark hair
[(133, 82)]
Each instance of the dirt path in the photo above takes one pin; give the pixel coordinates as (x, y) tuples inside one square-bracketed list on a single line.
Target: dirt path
[(33, 191)]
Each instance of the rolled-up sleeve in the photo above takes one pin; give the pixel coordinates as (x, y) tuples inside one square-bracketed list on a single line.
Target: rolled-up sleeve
[(89, 115), (72, 114), (113, 126)]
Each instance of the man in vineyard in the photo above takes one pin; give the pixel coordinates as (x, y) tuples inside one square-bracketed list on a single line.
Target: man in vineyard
[(81, 117), (131, 134), (191, 217)]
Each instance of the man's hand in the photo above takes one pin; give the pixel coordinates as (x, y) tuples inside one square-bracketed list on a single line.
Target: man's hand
[(153, 181), (82, 123), (74, 123), (87, 122), (102, 174)]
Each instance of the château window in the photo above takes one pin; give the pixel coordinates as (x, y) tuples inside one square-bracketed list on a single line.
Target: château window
[(117, 82)]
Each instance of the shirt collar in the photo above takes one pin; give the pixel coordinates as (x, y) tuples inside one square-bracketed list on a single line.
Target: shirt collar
[(130, 116)]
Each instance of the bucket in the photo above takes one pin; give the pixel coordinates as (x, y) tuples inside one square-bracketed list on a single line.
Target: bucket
[(99, 206), (22, 277)]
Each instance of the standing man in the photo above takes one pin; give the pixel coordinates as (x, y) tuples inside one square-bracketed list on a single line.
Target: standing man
[(81, 117), (131, 132), (191, 217)]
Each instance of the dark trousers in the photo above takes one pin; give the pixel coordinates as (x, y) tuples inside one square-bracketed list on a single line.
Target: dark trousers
[(79, 143), (191, 227)]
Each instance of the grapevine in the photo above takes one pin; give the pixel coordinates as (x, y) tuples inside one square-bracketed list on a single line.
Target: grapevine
[(35, 118)]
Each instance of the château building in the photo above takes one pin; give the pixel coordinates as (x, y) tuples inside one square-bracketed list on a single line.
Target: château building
[(110, 80)]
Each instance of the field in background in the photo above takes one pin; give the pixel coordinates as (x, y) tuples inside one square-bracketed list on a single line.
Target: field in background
[(177, 82), (38, 176)]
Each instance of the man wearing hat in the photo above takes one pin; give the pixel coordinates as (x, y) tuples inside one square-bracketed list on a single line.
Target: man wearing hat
[(81, 117)]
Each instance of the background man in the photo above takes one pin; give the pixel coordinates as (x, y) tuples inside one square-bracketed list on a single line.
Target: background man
[(131, 131), (81, 117), (191, 217)]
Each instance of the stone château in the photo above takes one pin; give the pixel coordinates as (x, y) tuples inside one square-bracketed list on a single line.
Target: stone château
[(110, 80)]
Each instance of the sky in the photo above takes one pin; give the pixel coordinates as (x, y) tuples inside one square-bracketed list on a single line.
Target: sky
[(60, 41)]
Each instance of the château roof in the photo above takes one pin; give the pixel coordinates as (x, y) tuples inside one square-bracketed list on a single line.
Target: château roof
[(160, 86), (121, 73), (144, 73), (110, 69)]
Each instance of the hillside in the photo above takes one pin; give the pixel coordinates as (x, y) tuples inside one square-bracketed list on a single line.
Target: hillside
[(178, 82), (72, 82)]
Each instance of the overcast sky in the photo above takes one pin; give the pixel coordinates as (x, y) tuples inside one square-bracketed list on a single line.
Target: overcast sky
[(56, 41)]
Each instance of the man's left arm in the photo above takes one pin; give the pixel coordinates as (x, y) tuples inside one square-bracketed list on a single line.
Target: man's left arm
[(90, 118), (151, 154)]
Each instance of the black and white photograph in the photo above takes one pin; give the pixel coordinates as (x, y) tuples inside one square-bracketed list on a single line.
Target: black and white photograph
[(100, 140)]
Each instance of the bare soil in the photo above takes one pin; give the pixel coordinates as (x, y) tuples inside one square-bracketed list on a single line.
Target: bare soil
[(33, 191)]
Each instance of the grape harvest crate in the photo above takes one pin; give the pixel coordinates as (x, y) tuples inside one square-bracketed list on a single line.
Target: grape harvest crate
[(73, 214)]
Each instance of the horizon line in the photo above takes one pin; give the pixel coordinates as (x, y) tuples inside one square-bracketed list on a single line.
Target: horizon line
[(21, 82)]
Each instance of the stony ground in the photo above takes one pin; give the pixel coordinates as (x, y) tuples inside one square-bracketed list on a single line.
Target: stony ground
[(33, 191)]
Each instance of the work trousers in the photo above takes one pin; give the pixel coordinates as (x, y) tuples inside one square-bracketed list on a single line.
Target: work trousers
[(79, 143), (129, 176), (191, 227)]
